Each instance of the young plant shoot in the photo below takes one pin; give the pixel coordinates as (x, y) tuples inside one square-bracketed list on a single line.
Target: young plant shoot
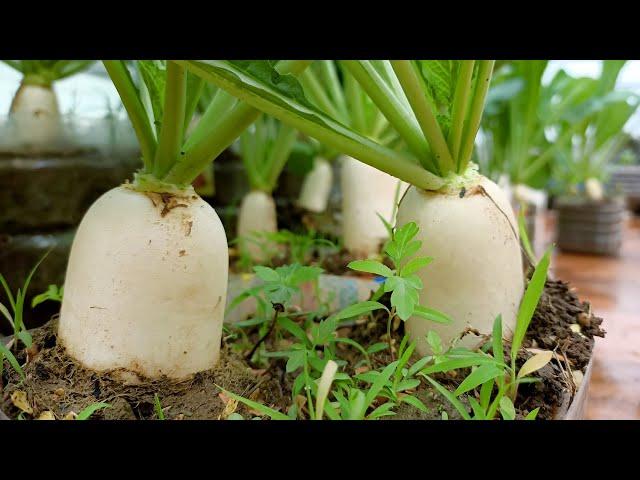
[(366, 191), (465, 220), (265, 148), (34, 107), (146, 281)]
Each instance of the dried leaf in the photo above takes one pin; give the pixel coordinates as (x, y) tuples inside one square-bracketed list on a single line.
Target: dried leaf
[(70, 416), (230, 408), (535, 363), (19, 399)]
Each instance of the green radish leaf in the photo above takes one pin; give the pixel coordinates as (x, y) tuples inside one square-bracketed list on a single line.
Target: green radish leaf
[(477, 377), (6, 353), (529, 302), (154, 76), (371, 266), (507, 410), (91, 409), (432, 315), (270, 412), (263, 88), (535, 363), (450, 397), (532, 414)]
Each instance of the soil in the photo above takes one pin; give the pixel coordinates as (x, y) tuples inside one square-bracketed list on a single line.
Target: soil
[(55, 383)]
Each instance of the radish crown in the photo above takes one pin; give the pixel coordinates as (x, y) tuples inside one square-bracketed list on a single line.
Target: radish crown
[(161, 107), (435, 107), (45, 72)]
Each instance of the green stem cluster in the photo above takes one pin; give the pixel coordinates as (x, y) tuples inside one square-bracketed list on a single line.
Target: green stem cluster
[(169, 158)]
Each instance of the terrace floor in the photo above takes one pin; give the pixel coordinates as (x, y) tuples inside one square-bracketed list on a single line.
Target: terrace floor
[(612, 285)]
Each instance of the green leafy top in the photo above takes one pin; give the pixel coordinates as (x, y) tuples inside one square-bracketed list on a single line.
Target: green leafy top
[(161, 106), (411, 95), (45, 72)]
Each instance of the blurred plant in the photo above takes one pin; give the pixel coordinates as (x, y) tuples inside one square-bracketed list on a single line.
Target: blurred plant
[(594, 129)]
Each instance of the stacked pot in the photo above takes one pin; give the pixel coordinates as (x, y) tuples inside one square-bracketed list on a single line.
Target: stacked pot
[(626, 180), (44, 196), (590, 226)]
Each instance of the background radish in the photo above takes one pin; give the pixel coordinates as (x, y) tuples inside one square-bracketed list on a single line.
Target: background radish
[(34, 109)]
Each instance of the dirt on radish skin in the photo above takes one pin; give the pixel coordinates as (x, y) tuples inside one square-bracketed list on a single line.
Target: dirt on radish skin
[(55, 382)]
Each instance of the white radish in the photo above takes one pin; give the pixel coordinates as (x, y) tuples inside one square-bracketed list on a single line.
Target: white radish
[(146, 285), (34, 111), (257, 214), (316, 187), (366, 192), (476, 273)]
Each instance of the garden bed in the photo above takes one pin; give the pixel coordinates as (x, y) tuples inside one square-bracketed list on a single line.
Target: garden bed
[(55, 383)]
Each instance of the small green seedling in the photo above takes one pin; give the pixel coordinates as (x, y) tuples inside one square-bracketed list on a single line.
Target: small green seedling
[(402, 281), (157, 407), (91, 409), (273, 296), (16, 315), (53, 293)]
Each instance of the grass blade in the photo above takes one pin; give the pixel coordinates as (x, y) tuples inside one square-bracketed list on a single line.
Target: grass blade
[(530, 302)]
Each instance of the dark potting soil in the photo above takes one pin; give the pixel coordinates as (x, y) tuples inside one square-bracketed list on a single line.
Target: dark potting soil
[(55, 383)]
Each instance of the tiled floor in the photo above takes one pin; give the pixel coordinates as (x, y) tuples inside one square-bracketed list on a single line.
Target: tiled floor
[(613, 287)]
